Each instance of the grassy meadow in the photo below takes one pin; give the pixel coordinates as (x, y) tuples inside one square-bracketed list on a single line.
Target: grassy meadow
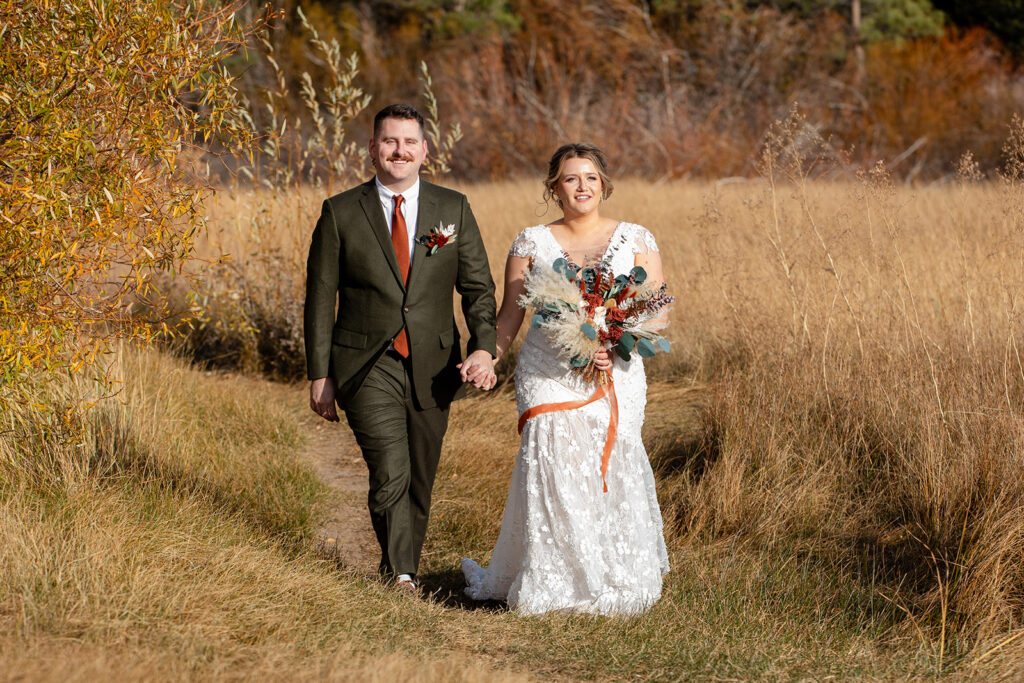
[(836, 435)]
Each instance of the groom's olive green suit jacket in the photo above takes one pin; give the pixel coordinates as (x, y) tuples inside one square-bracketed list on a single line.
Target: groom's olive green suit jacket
[(352, 265)]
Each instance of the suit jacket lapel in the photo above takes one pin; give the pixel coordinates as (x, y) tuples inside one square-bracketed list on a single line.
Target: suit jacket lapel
[(427, 218), (375, 216)]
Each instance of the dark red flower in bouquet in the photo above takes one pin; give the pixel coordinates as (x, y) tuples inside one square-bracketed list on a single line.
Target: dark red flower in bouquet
[(593, 301), (615, 315)]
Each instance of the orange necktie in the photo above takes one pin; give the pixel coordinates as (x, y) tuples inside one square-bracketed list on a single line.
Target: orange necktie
[(400, 241)]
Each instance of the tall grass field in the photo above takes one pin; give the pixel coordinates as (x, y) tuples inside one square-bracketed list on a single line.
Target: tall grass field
[(836, 435)]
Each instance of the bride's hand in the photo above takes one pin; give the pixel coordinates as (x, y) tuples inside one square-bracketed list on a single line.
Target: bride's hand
[(602, 359)]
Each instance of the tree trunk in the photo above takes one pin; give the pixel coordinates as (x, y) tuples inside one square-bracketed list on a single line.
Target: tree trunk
[(858, 47)]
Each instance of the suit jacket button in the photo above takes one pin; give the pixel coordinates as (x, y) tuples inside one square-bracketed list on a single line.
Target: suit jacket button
[(405, 308)]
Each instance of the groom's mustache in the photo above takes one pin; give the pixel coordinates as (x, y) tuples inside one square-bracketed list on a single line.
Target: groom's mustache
[(398, 158)]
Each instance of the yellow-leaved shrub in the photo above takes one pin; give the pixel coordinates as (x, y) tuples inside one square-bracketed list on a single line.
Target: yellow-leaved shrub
[(103, 107)]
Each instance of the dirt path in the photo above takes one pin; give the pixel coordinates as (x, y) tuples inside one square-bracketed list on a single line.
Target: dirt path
[(335, 457)]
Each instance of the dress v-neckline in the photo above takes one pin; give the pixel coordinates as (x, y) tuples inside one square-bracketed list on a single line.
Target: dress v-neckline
[(604, 254)]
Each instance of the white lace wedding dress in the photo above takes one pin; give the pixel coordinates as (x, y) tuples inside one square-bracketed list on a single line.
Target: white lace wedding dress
[(564, 543)]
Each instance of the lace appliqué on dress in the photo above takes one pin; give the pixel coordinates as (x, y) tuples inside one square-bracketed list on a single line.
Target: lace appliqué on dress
[(525, 244), (643, 240)]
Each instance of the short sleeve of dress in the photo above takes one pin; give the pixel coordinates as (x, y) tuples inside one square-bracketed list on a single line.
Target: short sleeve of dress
[(643, 241), (524, 245)]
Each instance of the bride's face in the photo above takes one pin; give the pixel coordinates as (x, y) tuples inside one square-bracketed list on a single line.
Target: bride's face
[(579, 186)]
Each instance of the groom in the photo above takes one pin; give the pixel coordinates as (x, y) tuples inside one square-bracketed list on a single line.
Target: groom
[(389, 354)]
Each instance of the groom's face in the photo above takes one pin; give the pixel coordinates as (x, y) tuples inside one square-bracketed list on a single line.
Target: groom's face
[(398, 150)]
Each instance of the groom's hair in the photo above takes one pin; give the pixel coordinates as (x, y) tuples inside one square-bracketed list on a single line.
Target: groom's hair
[(397, 111)]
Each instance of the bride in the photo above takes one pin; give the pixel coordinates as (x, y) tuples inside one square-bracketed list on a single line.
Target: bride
[(565, 544)]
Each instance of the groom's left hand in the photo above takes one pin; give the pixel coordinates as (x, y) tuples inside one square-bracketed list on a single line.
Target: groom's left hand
[(478, 369)]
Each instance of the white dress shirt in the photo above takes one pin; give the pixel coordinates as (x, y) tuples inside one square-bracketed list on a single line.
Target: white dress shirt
[(410, 209)]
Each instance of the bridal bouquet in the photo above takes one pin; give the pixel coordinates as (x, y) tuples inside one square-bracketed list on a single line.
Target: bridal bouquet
[(584, 309)]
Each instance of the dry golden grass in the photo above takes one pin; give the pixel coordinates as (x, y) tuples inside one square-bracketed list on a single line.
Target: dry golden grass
[(742, 259), (139, 572), (836, 434), (169, 544), (857, 346), (177, 570)]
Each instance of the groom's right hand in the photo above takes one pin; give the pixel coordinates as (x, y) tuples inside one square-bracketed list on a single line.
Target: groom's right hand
[(321, 398)]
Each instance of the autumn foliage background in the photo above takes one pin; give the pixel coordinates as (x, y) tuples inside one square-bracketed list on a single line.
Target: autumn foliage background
[(836, 435), (679, 89)]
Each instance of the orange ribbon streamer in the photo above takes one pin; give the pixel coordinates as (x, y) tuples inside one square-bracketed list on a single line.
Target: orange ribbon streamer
[(607, 389)]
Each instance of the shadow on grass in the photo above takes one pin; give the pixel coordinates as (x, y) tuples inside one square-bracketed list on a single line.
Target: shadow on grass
[(445, 588), (682, 434)]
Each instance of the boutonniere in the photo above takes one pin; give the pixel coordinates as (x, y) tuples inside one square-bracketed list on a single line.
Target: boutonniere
[(438, 237)]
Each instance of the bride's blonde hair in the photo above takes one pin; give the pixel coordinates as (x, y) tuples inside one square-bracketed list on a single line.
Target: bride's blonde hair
[(576, 150)]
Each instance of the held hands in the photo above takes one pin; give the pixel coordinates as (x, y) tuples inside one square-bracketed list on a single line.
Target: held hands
[(478, 370), (321, 398)]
